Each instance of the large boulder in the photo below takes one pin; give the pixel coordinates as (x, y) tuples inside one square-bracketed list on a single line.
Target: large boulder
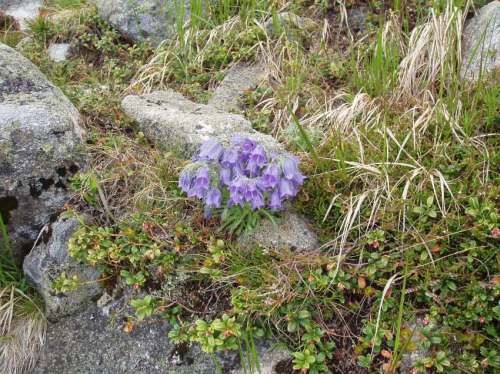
[(88, 343), (481, 42), (41, 146), (142, 20), (49, 261), (95, 341)]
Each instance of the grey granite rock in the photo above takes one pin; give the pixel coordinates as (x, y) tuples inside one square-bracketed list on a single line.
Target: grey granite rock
[(290, 231), (41, 146), (239, 79), (481, 42), (173, 122), (94, 341), (47, 261), (140, 20), (21, 10)]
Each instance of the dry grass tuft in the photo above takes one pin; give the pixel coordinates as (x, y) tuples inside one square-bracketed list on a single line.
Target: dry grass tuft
[(341, 113), (22, 331), (193, 46), (433, 51), (125, 177)]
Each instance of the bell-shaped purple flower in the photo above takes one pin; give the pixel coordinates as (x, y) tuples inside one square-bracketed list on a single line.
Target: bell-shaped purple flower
[(237, 190), (185, 180), (245, 172), (245, 145), (298, 178), (290, 166), (252, 169), (225, 176), (207, 212), (275, 203), (213, 198), (256, 160), (286, 188), (252, 194), (270, 177), (258, 155), (257, 200), (197, 191), (210, 150), (201, 183), (229, 158), (202, 178)]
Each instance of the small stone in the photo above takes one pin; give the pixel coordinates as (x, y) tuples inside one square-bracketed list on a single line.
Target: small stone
[(410, 359), (47, 261), (481, 42), (290, 231), (58, 52), (356, 18), (239, 79)]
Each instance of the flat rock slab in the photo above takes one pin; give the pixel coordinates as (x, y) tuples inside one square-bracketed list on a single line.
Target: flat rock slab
[(239, 79), (41, 146), (175, 123), (481, 42), (87, 343)]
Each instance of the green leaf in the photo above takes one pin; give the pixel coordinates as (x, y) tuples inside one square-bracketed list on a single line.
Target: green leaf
[(304, 314), (292, 326)]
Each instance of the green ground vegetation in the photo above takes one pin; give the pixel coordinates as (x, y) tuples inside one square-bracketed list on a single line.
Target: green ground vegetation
[(402, 163)]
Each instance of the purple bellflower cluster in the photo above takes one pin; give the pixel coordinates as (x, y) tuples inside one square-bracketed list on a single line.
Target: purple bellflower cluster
[(241, 174)]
